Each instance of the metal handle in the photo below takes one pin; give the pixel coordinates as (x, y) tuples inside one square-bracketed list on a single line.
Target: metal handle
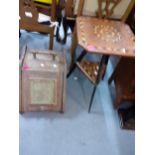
[(49, 53)]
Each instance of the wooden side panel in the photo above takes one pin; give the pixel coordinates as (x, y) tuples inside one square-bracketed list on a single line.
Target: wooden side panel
[(20, 76)]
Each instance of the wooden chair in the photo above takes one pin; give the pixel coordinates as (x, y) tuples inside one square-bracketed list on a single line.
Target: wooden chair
[(90, 34), (46, 8), (30, 19)]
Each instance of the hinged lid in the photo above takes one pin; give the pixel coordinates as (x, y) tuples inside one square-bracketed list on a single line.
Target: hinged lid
[(36, 60)]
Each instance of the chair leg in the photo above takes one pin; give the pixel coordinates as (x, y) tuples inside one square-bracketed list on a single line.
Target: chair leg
[(92, 97)]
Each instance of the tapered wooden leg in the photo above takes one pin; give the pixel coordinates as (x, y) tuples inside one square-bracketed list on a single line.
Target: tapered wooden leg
[(92, 97), (73, 46), (104, 61)]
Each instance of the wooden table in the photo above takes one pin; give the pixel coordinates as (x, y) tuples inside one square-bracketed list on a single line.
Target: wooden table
[(105, 37)]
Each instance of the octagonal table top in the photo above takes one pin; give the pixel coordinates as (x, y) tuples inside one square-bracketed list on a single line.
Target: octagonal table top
[(104, 36)]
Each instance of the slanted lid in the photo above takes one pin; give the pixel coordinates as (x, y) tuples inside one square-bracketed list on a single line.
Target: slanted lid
[(36, 60)]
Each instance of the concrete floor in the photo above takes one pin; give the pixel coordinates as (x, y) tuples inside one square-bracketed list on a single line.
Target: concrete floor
[(75, 132)]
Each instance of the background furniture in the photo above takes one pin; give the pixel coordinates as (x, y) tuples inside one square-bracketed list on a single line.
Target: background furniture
[(29, 16), (127, 118), (124, 79), (47, 7)]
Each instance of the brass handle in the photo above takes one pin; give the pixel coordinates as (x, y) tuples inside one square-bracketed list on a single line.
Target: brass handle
[(54, 55)]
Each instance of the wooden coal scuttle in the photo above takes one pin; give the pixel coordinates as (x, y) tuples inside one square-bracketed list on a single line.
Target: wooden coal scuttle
[(42, 76)]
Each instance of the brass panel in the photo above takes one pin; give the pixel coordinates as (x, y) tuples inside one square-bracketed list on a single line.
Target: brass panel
[(43, 91)]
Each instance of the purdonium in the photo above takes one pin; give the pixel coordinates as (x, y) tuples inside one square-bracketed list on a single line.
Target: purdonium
[(42, 80)]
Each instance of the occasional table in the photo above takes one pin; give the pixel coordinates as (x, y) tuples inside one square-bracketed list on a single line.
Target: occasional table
[(104, 37)]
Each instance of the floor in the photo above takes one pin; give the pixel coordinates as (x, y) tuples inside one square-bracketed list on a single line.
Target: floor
[(75, 132)]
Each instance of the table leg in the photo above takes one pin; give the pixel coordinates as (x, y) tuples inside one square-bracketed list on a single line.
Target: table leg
[(104, 61), (73, 47), (74, 64), (92, 97)]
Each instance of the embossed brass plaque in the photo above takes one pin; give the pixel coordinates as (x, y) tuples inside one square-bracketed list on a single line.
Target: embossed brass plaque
[(42, 91)]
